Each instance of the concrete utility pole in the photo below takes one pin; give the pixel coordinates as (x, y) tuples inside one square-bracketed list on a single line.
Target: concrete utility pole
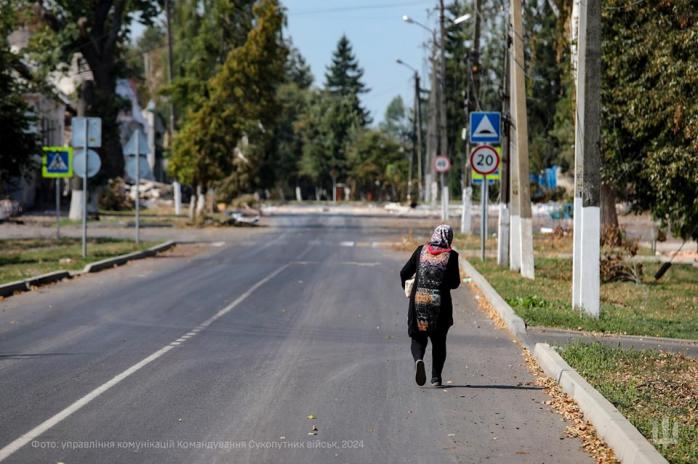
[(418, 122), (472, 90), (521, 218), (432, 134), (443, 127), (504, 168), (586, 281), (170, 64)]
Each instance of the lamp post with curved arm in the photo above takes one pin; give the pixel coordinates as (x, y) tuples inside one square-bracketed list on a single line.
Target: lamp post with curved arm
[(418, 129)]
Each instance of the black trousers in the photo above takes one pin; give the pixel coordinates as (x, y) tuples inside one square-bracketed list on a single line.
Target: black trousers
[(438, 349)]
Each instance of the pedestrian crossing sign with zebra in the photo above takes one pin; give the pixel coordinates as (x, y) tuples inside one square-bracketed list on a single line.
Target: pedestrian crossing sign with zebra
[(57, 162)]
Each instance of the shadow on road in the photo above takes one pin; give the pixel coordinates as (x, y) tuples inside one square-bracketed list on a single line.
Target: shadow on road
[(495, 387)]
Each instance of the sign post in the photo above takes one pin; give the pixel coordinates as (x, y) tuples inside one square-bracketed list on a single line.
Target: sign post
[(87, 132), (57, 163), (137, 146), (441, 165), (485, 160)]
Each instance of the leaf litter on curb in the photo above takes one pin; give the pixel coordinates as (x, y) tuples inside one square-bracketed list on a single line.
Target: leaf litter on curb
[(559, 402)]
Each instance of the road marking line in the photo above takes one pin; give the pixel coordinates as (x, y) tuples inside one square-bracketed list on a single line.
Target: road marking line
[(346, 244), (18, 443), (360, 263)]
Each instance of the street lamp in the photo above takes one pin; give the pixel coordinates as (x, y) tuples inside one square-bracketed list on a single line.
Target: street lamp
[(441, 107), (418, 130)]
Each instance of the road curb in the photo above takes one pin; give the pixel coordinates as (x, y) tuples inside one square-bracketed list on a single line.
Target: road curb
[(7, 290), (630, 446), (123, 259), (514, 324), (626, 441), (12, 287)]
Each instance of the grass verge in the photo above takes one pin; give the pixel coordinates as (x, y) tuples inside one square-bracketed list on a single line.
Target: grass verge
[(652, 389), (668, 308), (24, 258)]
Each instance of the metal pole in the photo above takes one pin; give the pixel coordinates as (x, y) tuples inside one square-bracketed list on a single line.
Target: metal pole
[(418, 109), (84, 197), (484, 193), (138, 187), (58, 208)]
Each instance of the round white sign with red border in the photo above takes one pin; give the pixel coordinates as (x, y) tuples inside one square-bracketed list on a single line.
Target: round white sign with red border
[(484, 159), (442, 164)]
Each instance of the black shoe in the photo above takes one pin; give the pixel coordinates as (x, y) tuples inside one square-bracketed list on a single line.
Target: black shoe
[(420, 376), (436, 381)]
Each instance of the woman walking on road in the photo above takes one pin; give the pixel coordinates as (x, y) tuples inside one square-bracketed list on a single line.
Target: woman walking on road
[(434, 268)]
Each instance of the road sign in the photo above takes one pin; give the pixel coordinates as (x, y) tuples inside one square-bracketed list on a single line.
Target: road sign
[(134, 144), (94, 132), (491, 178), (442, 164), (485, 127), (484, 159), (57, 162), (94, 162)]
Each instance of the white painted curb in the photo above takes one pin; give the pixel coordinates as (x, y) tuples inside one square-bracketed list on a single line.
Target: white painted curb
[(630, 446)]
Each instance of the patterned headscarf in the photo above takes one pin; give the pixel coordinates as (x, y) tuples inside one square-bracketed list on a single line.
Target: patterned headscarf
[(442, 237)]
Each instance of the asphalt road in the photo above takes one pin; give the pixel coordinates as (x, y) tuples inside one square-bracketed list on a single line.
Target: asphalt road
[(221, 357)]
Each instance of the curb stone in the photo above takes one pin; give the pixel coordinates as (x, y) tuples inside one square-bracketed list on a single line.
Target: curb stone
[(7, 290), (630, 446), (514, 324), (123, 259)]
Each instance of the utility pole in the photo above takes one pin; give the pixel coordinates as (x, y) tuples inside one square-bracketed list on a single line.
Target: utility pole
[(586, 284), (432, 133), (471, 91), (520, 182), (170, 64), (503, 222), (443, 127), (418, 122)]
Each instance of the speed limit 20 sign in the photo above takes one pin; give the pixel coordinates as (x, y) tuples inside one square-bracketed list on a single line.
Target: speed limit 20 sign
[(484, 159), (442, 164)]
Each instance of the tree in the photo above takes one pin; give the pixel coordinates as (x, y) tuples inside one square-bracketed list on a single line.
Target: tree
[(650, 111), (326, 129), (344, 78), (97, 29), (395, 122), (225, 139), (16, 138), (378, 166), (297, 69), (205, 31)]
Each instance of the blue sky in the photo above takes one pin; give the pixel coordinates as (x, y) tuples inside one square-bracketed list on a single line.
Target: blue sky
[(378, 36)]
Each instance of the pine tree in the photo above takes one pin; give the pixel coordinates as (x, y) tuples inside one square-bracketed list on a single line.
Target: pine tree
[(344, 78), (297, 69)]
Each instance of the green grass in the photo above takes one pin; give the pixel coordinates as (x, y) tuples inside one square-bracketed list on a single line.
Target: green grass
[(544, 245), (668, 308), (647, 387), (23, 258)]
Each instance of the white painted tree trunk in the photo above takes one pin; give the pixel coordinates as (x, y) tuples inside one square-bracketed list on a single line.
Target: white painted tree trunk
[(75, 213)]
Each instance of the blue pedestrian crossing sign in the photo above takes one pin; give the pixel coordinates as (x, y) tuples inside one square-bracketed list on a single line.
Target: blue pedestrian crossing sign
[(57, 162), (485, 127)]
